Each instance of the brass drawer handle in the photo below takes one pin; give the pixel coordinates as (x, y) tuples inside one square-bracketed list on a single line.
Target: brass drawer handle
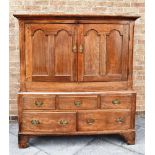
[(120, 120), (90, 121), (63, 122), (81, 48), (39, 103), (35, 122), (116, 101), (77, 103), (74, 48)]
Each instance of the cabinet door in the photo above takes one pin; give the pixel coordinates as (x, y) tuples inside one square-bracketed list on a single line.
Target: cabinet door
[(49, 52), (103, 52)]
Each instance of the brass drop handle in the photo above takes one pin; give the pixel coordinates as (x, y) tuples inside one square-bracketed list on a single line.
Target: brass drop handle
[(81, 48), (35, 122), (116, 101), (39, 103), (63, 122), (120, 120), (90, 121), (77, 103), (74, 48)]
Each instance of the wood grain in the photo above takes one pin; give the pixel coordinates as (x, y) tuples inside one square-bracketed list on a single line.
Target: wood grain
[(105, 52), (77, 102), (49, 121), (36, 102), (76, 76), (103, 120), (108, 101), (49, 55)]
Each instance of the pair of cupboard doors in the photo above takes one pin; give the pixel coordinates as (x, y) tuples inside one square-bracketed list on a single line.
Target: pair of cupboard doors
[(76, 52)]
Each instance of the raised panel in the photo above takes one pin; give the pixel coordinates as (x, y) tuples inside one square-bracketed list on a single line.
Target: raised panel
[(91, 53), (63, 51), (114, 46), (40, 53)]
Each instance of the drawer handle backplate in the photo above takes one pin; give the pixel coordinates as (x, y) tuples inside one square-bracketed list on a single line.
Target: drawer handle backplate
[(116, 101), (90, 121), (39, 103), (63, 122), (35, 122), (120, 120), (81, 48), (74, 48), (77, 103)]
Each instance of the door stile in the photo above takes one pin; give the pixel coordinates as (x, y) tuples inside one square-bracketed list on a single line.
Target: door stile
[(125, 53), (28, 55), (75, 54), (80, 52)]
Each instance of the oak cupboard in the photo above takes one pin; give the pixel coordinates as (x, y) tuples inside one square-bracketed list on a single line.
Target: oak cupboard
[(76, 76)]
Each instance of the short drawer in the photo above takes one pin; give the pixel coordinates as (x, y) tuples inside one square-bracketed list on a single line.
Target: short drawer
[(103, 120), (77, 102), (38, 102), (116, 102), (49, 121)]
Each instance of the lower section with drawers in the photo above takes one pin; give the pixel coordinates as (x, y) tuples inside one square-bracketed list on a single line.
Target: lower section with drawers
[(75, 121), (76, 114)]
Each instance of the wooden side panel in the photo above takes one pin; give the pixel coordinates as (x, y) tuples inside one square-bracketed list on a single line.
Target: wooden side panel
[(22, 54)]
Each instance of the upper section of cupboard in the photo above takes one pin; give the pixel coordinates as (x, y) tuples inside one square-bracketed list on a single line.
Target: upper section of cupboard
[(72, 48)]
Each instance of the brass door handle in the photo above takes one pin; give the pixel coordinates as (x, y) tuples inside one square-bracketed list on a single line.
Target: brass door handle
[(74, 48), (77, 103), (35, 122), (39, 103), (120, 120), (90, 121), (116, 101), (81, 48), (63, 122)]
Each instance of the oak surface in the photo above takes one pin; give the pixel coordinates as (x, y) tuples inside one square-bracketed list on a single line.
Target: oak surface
[(76, 76)]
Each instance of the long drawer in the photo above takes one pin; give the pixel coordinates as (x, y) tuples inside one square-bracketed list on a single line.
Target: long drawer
[(103, 120), (48, 121), (91, 120)]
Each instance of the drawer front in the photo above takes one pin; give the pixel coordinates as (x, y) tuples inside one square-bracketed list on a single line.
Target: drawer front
[(116, 102), (49, 121), (103, 120), (38, 102), (77, 102)]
